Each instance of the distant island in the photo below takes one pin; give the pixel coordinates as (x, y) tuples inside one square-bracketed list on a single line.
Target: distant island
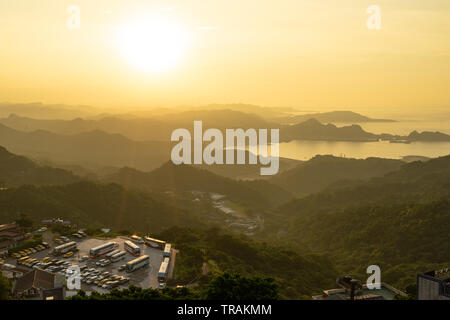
[(331, 117), (312, 129)]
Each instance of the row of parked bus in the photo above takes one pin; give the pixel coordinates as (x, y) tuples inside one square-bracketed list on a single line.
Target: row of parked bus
[(65, 248)]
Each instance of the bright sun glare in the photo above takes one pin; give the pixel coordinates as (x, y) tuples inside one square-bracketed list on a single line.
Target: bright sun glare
[(153, 45)]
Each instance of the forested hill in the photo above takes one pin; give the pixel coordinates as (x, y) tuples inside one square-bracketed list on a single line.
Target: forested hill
[(88, 148), (298, 276), (17, 170), (399, 221)]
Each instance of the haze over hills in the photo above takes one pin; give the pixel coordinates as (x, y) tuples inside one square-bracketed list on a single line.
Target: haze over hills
[(160, 123), (94, 147), (312, 129), (17, 170), (398, 221), (39, 110), (185, 178), (373, 211)]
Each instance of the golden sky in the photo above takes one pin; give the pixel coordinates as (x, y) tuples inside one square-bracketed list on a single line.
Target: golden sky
[(310, 54)]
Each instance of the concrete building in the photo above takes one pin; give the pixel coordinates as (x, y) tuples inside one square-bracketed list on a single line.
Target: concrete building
[(352, 289), (53, 294), (49, 222), (4, 246), (434, 285)]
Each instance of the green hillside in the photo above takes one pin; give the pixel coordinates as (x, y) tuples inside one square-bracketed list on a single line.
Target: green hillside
[(399, 221), (17, 170)]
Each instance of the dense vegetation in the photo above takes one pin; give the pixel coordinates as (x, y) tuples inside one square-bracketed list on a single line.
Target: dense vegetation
[(399, 221), (206, 254), (5, 288), (94, 205), (321, 171), (182, 178), (17, 170)]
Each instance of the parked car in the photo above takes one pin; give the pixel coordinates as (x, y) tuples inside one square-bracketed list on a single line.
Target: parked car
[(68, 254), (105, 263)]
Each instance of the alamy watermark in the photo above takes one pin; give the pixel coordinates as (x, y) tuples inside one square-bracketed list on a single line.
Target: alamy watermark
[(213, 153), (73, 22), (73, 275)]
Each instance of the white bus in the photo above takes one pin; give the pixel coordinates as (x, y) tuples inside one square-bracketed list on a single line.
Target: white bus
[(163, 269), (137, 239), (110, 254), (102, 249), (132, 248), (167, 249), (137, 263), (155, 243), (118, 256), (66, 247)]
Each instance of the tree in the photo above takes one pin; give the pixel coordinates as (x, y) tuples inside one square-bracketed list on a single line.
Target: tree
[(236, 287), (24, 221)]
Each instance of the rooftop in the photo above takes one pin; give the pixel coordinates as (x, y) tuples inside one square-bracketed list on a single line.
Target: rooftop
[(365, 294), (9, 226), (442, 274), (38, 279)]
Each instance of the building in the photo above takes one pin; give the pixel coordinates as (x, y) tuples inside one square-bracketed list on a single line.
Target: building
[(352, 289), (10, 271), (434, 285), (34, 282), (12, 232)]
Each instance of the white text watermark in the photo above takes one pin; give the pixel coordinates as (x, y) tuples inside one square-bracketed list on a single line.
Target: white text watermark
[(213, 153)]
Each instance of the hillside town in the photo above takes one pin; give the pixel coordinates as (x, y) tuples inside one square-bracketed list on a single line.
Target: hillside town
[(45, 265)]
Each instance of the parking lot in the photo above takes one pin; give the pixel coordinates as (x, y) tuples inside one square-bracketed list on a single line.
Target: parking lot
[(146, 277)]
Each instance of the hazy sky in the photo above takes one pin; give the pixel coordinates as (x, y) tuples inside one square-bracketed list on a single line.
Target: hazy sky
[(311, 54)]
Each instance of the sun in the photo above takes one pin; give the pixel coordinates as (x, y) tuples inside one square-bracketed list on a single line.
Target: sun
[(153, 45)]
